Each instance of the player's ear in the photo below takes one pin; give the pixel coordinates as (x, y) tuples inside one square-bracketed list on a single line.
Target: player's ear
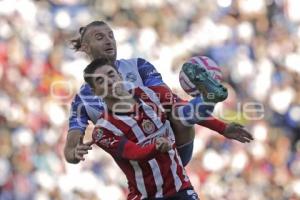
[(84, 47)]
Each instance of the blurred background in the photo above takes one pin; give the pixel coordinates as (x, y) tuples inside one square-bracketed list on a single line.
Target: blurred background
[(256, 43)]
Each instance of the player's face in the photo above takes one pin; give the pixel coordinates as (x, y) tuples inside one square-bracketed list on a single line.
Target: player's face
[(107, 82), (100, 42)]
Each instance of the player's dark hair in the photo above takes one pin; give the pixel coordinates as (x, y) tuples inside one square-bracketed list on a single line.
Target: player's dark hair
[(76, 42), (91, 68)]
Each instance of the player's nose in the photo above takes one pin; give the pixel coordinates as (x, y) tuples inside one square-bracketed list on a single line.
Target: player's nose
[(110, 82)]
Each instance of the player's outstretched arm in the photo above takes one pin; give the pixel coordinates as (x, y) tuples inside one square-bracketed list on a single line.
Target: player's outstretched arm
[(237, 132), (232, 130), (75, 149), (184, 117)]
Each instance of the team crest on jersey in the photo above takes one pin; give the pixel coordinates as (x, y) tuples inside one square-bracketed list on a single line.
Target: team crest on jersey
[(148, 126), (131, 77)]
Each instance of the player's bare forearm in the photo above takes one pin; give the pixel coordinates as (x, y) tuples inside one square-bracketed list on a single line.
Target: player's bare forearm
[(73, 139), (75, 149), (183, 133)]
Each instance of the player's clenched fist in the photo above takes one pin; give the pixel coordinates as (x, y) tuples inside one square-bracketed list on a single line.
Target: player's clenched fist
[(163, 144)]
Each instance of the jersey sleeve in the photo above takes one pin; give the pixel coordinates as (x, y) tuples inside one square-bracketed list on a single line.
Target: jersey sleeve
[(171, 100), (214, 124), (78, 118), (148, 73), (120, 146)]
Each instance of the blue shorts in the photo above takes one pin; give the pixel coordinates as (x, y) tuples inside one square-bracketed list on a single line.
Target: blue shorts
[(185, 152)]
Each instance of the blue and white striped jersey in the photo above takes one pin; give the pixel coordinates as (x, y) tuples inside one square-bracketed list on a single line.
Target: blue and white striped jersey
[(86, 106)]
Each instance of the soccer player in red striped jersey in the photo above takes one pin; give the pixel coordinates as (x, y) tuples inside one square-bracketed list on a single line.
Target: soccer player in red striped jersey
[(134, 125), (136, 131)]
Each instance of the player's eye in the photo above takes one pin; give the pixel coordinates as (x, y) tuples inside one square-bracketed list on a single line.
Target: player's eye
[(111, 35), (98, 36), (111, 74), (99, 80)]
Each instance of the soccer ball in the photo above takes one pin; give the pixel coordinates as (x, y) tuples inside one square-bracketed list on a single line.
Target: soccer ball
[(210, 65)]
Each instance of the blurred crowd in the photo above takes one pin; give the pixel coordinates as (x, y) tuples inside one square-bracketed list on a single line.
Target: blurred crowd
[(256, 43)]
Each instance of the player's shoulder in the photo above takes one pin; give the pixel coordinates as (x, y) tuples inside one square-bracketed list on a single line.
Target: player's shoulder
[(132, 59), (126, 61), (131, 62), (85, 95), (83, 91)]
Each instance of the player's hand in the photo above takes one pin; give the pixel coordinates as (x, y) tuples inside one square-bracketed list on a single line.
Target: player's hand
[(163, 144), (237, 132), (82, 148)]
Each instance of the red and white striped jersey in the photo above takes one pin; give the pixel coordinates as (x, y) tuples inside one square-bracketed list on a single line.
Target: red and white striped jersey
[(130, 139)]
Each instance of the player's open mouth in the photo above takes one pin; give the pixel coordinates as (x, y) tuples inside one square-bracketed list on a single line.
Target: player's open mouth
[(110, 50)]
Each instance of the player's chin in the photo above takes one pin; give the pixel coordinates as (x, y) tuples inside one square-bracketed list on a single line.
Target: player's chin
[(111, 55)]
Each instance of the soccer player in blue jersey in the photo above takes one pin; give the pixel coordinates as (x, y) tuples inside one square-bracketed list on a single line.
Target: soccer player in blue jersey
[(97, 41)]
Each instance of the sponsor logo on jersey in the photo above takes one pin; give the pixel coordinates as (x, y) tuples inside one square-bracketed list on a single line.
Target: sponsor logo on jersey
[(148, 126), (131, 77)]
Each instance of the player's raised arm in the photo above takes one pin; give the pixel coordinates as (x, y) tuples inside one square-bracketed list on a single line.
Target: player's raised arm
[(148, 73)]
